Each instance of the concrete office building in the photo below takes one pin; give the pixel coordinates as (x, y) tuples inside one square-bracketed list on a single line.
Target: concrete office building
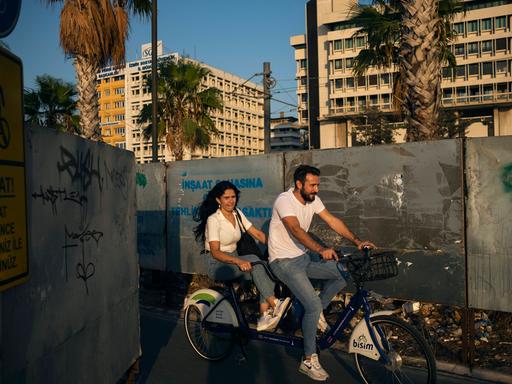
[(240, 122), (329, 95)]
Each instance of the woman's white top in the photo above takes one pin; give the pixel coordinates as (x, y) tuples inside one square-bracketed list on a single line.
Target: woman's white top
[(218, 228)]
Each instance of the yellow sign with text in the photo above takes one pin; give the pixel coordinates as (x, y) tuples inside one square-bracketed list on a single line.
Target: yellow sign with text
[(13, 207)]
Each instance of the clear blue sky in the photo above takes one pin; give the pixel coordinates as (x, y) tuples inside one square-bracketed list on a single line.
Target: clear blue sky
[(233, 35)]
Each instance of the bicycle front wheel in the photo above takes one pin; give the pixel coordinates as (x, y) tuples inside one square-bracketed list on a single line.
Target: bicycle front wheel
[(210, 345), (410, 359)]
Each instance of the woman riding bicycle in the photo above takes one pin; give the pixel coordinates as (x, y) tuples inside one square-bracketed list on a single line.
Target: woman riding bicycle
[(219, 229)]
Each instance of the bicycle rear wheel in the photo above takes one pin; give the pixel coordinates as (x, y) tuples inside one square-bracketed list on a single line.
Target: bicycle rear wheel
[(411, 359), (210, 345)]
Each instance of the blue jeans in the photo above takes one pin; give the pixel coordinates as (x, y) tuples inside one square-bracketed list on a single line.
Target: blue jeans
[(218, 270), (295, 273)]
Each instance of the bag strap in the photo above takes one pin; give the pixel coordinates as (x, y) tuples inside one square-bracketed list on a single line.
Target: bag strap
[(239, 219)]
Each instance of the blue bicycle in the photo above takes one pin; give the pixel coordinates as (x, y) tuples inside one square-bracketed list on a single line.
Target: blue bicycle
[(386, 348)]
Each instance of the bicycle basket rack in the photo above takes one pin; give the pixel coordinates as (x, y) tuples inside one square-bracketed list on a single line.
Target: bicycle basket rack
[(378, 266)]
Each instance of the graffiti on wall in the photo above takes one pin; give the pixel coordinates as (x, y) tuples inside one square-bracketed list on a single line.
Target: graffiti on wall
[(506, 177), (87, 177)]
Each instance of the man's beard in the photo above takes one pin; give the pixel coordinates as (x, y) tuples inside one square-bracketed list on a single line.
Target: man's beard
[(307, 197)]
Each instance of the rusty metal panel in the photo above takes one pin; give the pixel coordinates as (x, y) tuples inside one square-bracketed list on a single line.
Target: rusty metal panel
[(151, 221), (489, 223), (259, 178), (404, 197)]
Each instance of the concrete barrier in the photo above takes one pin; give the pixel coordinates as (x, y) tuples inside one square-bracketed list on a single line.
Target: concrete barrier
[(76, 320)]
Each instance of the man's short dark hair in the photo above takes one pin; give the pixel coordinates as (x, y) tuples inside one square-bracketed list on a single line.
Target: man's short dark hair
[(301, 172)]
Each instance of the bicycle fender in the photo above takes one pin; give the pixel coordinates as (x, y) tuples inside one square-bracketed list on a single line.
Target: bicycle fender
[(206, 300), (360, 341)]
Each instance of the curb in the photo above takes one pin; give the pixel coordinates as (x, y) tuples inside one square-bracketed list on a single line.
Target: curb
[(475, 373)]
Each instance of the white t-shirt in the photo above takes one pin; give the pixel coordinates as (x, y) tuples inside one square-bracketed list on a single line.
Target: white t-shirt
[(282, 244), (218, 228)]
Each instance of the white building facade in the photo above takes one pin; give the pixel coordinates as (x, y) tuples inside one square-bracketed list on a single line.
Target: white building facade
[(329, 95)]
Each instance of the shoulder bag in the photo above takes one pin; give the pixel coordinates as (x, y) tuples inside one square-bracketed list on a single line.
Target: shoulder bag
[(246, 245)]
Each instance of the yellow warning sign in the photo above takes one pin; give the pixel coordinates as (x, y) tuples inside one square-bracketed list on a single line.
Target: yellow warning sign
[(13, 212)]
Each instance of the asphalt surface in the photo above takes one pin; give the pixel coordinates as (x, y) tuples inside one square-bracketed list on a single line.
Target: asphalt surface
[(167, 357)]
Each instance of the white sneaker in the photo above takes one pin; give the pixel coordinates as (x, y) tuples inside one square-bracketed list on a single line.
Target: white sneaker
[(281, 305), (267, 321), (322, 323), (313, 369)]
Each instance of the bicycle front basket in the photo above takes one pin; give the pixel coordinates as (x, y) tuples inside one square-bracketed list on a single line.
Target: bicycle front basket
[(379, 266)]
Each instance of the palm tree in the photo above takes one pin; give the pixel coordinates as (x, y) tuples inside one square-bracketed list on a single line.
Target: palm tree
[(413, 35), (52, 104), (94, 33), (184, 108)]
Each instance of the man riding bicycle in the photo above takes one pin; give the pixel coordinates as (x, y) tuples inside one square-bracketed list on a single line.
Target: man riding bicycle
[(288, 243)]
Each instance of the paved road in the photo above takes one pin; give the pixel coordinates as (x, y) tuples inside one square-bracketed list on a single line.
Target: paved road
[(168, 358)]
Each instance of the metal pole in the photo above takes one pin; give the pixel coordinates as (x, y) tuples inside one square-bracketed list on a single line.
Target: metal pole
[(154, 80), (266, 105)]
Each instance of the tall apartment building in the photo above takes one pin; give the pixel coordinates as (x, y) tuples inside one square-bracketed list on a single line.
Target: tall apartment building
[(480, 88), (112, 105), (286, 134), (240, 122)]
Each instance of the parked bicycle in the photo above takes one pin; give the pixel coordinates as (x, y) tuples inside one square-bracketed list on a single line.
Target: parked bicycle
[(386, 349)]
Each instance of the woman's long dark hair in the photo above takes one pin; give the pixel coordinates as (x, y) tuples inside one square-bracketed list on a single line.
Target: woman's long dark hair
[(210, 206)]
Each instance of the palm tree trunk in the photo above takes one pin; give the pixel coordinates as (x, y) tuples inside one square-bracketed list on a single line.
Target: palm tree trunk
[(177, 145), (420, 68), (87, 97)]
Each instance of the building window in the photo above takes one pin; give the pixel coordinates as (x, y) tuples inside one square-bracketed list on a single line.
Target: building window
[(302, 63), (473, 26), (107, 92), (119, 117), (304, 97), (338, 83), (349, 43), (487, 46), (119, 104), (373, 100), (385, 99), (361, 81), (360, 42), (338, 46), (121, 145), (447, 72), (501, 66), (501, 22), (349, 62), (339, 103), (304, 114), (486, 24), (303, 81), (372, 80), (472, 48), (458, 28), (447, 93), (461, 94), (473, 69), (384, 78), (337, 64), (459, 49), (119, 91), (487, 68), (501, 44), (460, 70), (350, 82)]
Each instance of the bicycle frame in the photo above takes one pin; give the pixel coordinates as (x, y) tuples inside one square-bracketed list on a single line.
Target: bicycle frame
[(359, 300)]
